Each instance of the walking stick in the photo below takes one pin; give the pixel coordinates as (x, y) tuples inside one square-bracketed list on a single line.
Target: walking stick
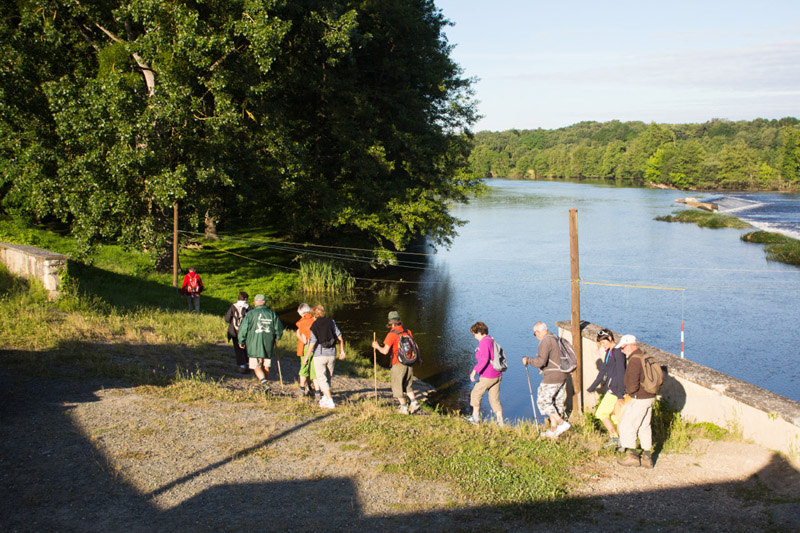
[(280, 375), (530, 389), (375, 368)]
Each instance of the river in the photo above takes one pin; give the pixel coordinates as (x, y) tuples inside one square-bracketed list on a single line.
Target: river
[(509, 267)]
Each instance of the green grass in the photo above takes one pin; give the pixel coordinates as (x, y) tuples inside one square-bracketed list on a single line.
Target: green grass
[(705, 219), (778, 247), (325, 277)]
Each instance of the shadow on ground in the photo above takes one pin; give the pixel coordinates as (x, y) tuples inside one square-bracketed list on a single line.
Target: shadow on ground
[(55, 478)]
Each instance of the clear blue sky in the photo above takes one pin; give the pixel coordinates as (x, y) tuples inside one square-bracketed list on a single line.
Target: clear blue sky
[(549, 64)]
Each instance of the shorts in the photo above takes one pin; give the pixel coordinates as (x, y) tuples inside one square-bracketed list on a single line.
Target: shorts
[(605, 409), (402, 375), (258, 362), (308, 370)]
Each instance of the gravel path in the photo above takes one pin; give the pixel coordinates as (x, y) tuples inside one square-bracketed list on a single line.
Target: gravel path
[(83, 455)]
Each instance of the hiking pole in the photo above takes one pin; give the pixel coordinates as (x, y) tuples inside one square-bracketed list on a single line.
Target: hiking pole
[(280, 375), (530, 389), (375, 368)]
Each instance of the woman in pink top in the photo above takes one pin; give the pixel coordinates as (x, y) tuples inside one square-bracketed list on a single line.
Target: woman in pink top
[(489, 378)]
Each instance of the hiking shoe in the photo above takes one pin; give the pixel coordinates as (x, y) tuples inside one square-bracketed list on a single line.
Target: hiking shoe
[(300, 393), (630, 459), (550, 434), (327, 403), (403, 410), (414, 407), (317, 396), (243, 369), (612, 442), (647, 460), (561, 428), (473, 420), (501, 422)]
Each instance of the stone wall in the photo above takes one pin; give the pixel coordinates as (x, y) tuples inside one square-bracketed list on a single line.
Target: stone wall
[(32, 262), (702, 394)]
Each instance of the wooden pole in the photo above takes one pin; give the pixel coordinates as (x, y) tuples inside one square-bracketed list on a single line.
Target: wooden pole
[(375, 368), (175, 245), (577, 377)]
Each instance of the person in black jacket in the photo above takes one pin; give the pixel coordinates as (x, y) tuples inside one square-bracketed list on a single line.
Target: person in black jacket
[(611, 377), (234, 317)]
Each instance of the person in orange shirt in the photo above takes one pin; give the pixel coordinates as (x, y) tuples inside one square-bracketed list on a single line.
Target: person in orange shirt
[(306, 364), (402, 375)]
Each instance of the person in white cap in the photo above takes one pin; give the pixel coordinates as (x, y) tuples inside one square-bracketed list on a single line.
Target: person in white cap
[(638, 411)]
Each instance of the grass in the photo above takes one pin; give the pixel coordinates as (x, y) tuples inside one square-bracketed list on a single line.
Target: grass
[(778, 247), (705, 219), (325, 277)]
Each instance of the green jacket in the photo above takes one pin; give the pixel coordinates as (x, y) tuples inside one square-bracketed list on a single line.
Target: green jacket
[(259, 330)]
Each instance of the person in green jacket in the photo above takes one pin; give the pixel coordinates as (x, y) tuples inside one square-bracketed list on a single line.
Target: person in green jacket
[(258, 332)]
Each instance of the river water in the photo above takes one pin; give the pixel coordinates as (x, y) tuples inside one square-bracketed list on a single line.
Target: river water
[(509, 267)]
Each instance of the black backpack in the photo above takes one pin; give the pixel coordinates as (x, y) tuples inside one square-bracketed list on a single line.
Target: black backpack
[(325, 332)]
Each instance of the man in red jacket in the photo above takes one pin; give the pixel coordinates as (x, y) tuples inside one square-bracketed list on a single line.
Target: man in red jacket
[(192, 287)]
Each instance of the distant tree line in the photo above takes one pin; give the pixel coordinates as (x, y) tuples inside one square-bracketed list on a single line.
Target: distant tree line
[(327, 119), (719, 154)]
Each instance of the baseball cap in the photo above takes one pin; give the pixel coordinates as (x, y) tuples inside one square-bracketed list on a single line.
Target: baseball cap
[(626, 339), (259, 298), (394, 315)]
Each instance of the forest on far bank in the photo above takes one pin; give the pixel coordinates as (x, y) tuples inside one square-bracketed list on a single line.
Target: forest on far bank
[(718, 154)]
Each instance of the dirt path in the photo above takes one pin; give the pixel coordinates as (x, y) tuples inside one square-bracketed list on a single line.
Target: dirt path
[(99, 456)]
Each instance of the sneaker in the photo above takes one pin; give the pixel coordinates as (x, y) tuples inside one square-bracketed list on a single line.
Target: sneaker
[(317, 396), (501, 422), (550, 434), (266, 386), (403, 410), (300, 393), (473, 420), (242, 369), (630, 459), (561, 428), (414, 407), (327, 403), (612, 442), (646, 460)]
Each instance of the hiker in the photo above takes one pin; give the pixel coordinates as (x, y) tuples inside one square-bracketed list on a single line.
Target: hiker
[(259, 331), (402, 375), (191, 288), (552, 393), (234, 318), (306, 358), (611, 377), (638, 411), (488, 378), (322, 346)]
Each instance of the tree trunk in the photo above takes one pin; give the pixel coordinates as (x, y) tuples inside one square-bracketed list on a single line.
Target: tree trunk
[(211, 226)]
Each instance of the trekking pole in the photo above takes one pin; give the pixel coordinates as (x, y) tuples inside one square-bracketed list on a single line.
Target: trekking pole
[(530, 389), (375, 368), (280, 375)]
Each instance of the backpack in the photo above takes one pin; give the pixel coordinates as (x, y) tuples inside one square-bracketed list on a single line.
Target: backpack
[(194, 285), (407, 349), (499, 361), (568, 360), (238, 316), (652, 375)]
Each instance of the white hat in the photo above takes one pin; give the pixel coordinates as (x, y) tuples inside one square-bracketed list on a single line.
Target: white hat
[(626, 339)]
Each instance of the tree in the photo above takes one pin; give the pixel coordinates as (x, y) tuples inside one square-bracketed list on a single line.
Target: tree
[(790, 162), (348, 109)]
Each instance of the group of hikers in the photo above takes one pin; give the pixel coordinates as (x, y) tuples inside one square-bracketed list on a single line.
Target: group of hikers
[(625, 408)]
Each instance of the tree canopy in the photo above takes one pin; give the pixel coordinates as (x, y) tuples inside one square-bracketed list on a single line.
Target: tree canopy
[(719, 154), (335, 118)]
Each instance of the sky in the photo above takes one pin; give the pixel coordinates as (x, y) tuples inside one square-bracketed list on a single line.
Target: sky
[(550, 64)]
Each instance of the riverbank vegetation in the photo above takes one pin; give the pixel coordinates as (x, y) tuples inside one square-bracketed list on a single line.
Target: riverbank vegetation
[(328, 120), (705, 219), (778, 247), (719, 154)]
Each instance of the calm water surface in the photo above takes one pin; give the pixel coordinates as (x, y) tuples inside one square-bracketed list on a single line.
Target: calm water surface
[(509, 267)]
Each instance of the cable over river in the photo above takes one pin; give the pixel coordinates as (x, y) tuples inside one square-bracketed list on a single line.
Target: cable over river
[(509, 267)]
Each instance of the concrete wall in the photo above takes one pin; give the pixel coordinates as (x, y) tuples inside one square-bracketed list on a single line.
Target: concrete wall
[(32, 262), (701, 394)]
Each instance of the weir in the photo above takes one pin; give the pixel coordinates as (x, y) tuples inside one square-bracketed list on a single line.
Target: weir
[(701, 394), (37, 263)]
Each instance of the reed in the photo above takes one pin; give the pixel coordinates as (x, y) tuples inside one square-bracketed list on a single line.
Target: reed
[(325, 277)]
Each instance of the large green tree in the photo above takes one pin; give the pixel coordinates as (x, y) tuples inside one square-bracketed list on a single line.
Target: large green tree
[(337, 118)]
